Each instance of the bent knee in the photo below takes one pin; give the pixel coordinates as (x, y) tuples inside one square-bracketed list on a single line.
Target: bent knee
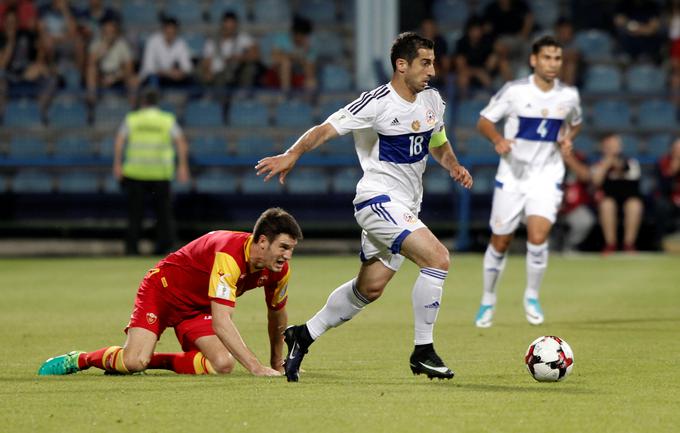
[(134, 364), (440, 258), (223, 364)]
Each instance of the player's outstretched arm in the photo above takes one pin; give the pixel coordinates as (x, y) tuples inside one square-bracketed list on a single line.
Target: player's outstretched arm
[(226, 331), (446, 157), (281, 164), (277, 321)]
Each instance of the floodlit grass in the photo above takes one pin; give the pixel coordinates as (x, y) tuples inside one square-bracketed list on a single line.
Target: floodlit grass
[(621, 315)]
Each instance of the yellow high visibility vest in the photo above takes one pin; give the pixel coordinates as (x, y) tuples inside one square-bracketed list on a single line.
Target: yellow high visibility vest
[(149, 154)]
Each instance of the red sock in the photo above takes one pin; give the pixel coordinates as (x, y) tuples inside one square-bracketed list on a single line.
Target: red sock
[(193, 362)]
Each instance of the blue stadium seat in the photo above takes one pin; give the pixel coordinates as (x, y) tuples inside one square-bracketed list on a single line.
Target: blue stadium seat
[(32, 181), (344, 180), (251, 183), (203, 113), (73, 147), (110, 112), (78, 182), (546, 13), (294, 113), (67, 113), (255, 146), (437, 181), (271, 11), (328, 108), (22, 113), (329, 45), (178, 187), (188, 12), (139, 13), (340, 146), (484, 180), (110, 185), (595, 45), (658, 144), (244, 113), (658, 113), (611, 114), (27, 147), (208, 146), (195, 41), (106, 147), (645, 79), (586, 144), (467, 112), (602, 79), (479, 146), (217, 181), (335, 78), (450, 13), (631, 144), (318, 11), (219, 7), (308, 181)]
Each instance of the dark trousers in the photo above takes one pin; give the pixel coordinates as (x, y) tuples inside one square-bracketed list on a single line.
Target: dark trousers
[(161, 198)]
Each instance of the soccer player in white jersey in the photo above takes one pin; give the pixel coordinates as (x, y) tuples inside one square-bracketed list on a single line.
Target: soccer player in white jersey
[(395, 127), (542, 117)]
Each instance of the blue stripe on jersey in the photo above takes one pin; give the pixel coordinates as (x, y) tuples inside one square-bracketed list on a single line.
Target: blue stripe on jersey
[(404, 148), (538, 129), (377, 95)]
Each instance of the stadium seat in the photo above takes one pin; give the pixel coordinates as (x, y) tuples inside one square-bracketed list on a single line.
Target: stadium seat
[(308, 181), (195, 41), (658, 145), (67, 113), (328, 45), (611, 114), (657, 113), (294, 113), (340, 146), (110, 185), (329, 107), (479, 146), (27, 147), (631, 144), (73, 147), (78, 182), (188, 12), (271, 11), (437, 181), (345, 179), (450, 13), (22, 113), (586, 144), (203, 113), (467, 112), (645, 79), (602, 79), (219, 7), (255, 146), (546, 13), (208, 146), (32, 181), (106, 147), (217, 181), (318, 11), (335, 78), (110, 112), (484, 180), (248, 113), (178, 187), (139, 13), (595, 45), (251, 183)]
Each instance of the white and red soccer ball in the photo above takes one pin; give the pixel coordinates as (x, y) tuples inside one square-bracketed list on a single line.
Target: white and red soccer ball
[(549, 359)]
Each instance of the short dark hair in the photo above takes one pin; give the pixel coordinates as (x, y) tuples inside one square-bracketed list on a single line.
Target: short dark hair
[(150, 96), (544, 41), (275, 221), (229, 15), (406, 47), (168, 20), (302, 25)]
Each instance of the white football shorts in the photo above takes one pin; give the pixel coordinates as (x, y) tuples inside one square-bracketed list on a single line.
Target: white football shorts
[(385, 224), (509, 208)]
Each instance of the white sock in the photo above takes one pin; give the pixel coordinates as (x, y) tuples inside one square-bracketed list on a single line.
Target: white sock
[(343, 303), (537, 262), (426, 297), (494, 263)]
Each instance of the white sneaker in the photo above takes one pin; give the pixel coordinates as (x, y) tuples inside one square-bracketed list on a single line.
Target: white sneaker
[(533, 311), (484, 318)]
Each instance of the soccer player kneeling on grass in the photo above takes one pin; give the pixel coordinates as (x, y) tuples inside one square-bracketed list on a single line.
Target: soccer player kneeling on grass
[(194, 290)]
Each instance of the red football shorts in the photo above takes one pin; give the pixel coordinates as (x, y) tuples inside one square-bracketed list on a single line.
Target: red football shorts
[(190, 330)]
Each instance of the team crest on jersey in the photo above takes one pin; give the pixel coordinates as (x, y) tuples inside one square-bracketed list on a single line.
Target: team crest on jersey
[(544, 112), (409, 218), (415, 125), (151, 318), (429, 117)]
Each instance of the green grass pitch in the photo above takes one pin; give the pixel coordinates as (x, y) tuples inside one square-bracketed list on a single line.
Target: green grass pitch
[(620, 314)]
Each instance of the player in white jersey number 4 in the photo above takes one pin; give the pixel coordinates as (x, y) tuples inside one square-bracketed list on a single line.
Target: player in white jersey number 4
[(395, 127), (542, 117)]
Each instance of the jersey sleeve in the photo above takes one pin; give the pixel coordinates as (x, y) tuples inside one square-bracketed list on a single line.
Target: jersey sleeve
[(223, 278), (358, 114), (499, 105), (276, 294), (575, 116)]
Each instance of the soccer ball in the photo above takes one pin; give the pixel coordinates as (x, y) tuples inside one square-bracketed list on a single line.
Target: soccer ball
[(549, 359)]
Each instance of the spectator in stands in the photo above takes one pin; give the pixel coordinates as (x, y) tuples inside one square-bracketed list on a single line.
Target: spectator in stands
[(511, 22), (571, 56), (638, 26), (91, 18), (668, 194), (59, 33), (294, 58), (232, 58), (167, 58), (148, 166), (674, 36), (576, 214), (25, 11), (23, 61), (476, 63), (442, 61), (617, 178), (110, 63)]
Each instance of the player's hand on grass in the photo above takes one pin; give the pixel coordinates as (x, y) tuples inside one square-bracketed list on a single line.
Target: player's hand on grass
[(461, 175), (503, 146), (273, 165), (265, 371)]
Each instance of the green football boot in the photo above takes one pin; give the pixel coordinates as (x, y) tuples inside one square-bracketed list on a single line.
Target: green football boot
[(62, 364)]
